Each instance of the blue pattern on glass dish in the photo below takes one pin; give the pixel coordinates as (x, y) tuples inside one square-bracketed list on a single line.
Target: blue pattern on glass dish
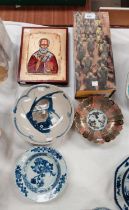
[(41, 174)]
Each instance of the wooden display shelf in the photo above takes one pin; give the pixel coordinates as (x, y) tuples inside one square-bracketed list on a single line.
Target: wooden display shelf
[(44, 15), (119, 17)]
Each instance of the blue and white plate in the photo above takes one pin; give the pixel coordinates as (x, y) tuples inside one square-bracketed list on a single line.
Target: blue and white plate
[(43, 114), (121, 185), (41, 174)]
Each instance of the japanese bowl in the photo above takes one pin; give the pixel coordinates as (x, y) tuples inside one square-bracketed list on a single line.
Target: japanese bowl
[(43, 114)]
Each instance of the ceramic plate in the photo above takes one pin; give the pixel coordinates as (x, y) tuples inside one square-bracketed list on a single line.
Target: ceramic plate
[(98, 119), (121, 185), (41, 174), (43, 113)]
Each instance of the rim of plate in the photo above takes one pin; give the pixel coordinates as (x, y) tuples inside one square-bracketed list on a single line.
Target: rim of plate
[(119, 171)]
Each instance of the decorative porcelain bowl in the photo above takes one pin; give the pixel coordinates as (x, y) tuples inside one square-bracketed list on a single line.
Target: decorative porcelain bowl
[(98, 119), (121, 185), (41, 174), (43, 113)]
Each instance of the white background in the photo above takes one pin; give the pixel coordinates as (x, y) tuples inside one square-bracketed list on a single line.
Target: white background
[(91, 167)]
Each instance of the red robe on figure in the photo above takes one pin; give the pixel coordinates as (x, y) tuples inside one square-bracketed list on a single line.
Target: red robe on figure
[(46, 65)]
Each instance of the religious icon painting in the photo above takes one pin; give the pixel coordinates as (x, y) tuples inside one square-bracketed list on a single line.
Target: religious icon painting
[(43, 55)]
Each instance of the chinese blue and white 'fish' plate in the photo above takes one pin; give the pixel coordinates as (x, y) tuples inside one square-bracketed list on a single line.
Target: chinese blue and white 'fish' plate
[(121, 185), (41, 174), (43, 113)]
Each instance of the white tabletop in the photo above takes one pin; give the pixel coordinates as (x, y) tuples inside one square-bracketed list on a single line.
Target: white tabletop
[(91, 167)]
